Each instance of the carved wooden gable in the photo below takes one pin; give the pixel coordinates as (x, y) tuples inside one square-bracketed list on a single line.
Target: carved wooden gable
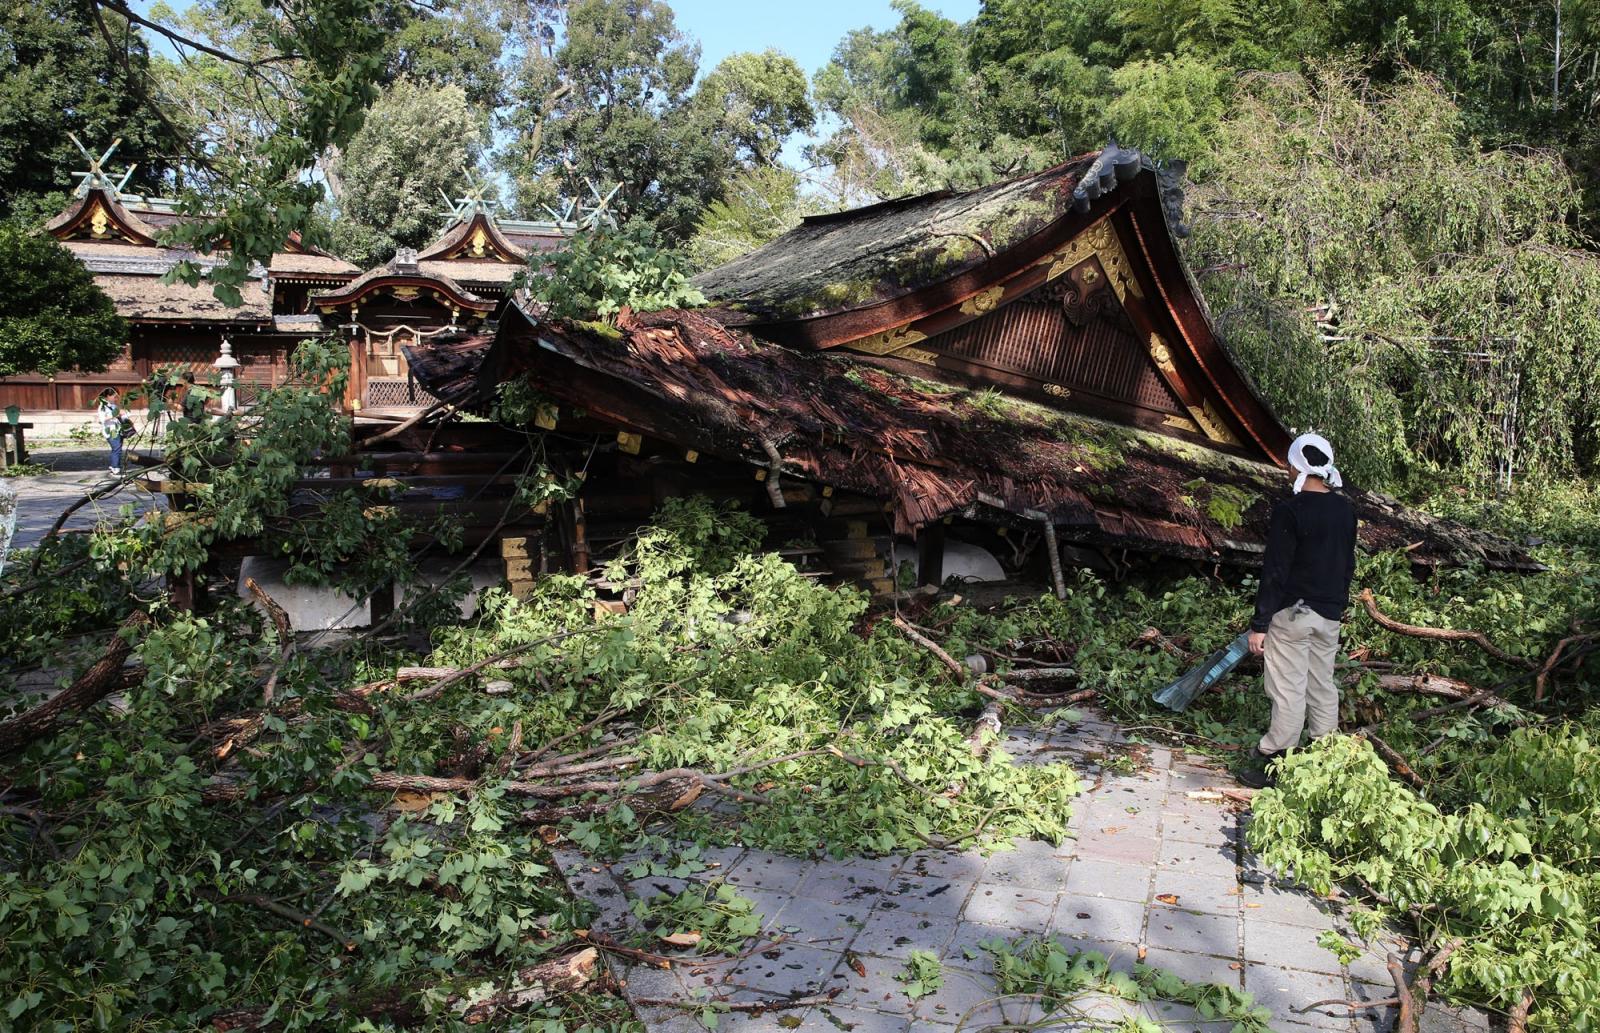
[(98, 216), (1063, 331), (1066, 287)]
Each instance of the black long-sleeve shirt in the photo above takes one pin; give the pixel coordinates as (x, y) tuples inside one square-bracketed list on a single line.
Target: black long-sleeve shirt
[(1311, 556)]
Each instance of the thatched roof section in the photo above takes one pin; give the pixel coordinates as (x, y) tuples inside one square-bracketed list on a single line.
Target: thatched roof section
[(448, 368), (846, 260), (146, 299), (296, 263), (472, 273)]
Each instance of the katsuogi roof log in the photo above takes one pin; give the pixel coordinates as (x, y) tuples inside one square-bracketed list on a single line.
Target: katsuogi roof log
[(928, 449)]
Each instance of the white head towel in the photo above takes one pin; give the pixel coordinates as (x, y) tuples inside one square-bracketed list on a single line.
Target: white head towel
[(1303, 468)]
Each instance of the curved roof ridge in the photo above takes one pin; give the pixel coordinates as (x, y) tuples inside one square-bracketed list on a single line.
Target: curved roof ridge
[(82, 209), (461, 231)]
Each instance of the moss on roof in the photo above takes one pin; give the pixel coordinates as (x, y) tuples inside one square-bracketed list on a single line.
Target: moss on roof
[(856, 258)]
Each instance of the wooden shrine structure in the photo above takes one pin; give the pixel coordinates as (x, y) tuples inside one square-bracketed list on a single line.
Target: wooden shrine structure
[(445, 290), (1025, 367)]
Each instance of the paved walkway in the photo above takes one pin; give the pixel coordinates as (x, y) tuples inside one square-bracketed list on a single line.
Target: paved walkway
[(1153, 872), (74, 472)]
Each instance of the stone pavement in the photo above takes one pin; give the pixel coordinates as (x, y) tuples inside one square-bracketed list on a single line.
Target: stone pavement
[(1153, 872), (74, 472)]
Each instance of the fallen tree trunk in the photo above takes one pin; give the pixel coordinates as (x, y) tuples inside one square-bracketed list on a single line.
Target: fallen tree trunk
[(93, 685), (1437, 685), (1034, 700)]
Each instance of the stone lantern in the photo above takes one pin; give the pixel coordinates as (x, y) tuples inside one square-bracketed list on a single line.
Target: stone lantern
[(225, 365)]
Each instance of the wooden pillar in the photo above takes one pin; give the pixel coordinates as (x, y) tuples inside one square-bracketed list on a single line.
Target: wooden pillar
[(382, 603), (930, 554), (1053, 549), (356, 385), (580, 538)]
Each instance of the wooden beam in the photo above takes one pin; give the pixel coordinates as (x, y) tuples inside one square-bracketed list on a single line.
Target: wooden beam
[(930, 555)]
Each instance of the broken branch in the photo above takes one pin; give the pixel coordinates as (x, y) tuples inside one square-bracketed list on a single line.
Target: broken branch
[(1394, 760), (1517, 1021), (280, 624), (750, 1007), (959, 669), (299, 918), (93, 685), (1541, 682), (1407, 1023), (1477, 638), (533, 985)]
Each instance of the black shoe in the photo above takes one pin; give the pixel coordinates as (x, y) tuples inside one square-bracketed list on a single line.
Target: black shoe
[(1257, 778), (1263, 774)]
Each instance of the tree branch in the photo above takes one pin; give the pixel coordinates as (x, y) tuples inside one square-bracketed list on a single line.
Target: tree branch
[(93, 685), (1477, 638)]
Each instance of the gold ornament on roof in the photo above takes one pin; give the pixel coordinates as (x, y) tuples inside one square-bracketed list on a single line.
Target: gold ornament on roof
[(1206, 415), (888, 342), (1100, 242), (1161, 354), (983, 301), (99, 221), (480, 242)]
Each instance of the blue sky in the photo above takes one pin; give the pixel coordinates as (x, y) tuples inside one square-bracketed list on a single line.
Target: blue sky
[(806, 30)]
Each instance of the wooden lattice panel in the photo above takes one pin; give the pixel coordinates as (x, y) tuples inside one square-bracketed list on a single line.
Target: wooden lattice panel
[(1038, 337)]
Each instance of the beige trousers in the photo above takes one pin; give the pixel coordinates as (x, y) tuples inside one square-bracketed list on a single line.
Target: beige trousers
[(1300, 651)]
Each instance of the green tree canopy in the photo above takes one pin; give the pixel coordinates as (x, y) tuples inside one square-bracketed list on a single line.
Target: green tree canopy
[(612, 105), (415, 144), (456, 43), (1459, 313), (59, 76), (52, 315), (759, 205), (758, 102)]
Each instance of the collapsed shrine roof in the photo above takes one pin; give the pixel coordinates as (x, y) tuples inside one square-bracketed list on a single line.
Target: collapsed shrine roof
[(927, 449)]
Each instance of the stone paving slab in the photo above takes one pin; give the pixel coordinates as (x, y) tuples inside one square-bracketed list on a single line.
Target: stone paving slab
[(75, 472), (1154, 874)]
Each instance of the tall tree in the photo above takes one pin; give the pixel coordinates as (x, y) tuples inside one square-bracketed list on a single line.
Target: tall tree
[(1458, 316), (455, 43), (415, 144), (52, 315), (757, 101), (611, 105), (58, 76), (304, 72)]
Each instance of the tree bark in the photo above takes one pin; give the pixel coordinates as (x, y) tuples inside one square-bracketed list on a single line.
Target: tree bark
[(93, 685)]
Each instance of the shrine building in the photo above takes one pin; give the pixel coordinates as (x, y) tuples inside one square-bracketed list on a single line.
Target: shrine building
[(449, 288)]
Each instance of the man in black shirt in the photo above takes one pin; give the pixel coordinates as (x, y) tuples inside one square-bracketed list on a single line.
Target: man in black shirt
[(1305, 587)]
